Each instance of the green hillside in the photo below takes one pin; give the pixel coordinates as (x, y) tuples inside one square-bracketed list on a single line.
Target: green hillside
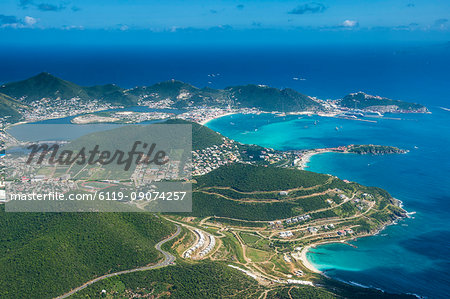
[(45, 85), (169, 89), (9, 108), (361, 100), (110, 93), (202, 136), (272, 99), (182, 94), (45, 255), (248, 178), (202, 280)]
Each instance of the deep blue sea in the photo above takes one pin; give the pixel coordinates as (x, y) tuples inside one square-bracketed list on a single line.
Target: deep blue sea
[(416, 72), (412, 256)]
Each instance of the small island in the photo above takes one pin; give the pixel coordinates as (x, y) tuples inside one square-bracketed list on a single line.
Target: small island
[(375, 149)]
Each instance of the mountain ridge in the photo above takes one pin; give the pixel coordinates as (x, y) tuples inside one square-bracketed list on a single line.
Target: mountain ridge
[(179, 94)]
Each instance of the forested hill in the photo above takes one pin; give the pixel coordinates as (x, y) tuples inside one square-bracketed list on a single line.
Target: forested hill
[(179, 94), (47, 254), (364, 101), (10, 108), (272, 99), (248, 178), (47, 86)]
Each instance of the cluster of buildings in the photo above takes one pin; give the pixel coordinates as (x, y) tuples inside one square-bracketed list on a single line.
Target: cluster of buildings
[(162, 104), (201, 242), (40, 186), (298, 272), (289, 221), (210, 158), (212, 243), (120, 117), (6, 139), (344, 232), (286, 234), (146, 174), (48, 108), (201, 115)]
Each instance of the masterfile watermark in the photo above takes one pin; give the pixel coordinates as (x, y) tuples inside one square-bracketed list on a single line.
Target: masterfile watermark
[(93, 156), (134, 168)]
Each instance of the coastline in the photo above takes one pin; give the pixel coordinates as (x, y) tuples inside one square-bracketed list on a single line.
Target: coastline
[(303, 164), (306, 262)]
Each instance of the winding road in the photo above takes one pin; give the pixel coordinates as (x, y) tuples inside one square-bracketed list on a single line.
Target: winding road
[(168, 259)]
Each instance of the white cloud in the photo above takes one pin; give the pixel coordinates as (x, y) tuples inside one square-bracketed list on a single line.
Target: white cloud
[(29, 21), (349, 23)]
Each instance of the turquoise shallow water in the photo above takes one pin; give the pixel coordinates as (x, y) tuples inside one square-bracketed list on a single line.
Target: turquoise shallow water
[(410, 257)]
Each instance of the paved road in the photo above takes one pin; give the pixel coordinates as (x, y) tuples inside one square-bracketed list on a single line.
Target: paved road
[(168, 259)]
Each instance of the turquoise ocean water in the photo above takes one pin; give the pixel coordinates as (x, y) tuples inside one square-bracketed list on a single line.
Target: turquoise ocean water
[(410, 257)]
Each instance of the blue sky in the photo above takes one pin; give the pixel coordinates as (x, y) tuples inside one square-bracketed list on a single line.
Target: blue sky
[(175, 21)]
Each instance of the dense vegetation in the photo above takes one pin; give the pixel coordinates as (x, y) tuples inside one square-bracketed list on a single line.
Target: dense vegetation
[(47, 254), (248, 178), (45, 85), (110, 93), (203, 280), (210, 205), (9, 108), (361, 100)]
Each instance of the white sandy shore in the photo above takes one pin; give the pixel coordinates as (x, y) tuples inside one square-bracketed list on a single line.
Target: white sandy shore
[(305, 250), (207, 120), (307, 156), (305, 261)]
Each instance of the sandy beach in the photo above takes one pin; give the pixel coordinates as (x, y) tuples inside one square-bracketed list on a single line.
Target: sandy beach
[(305, 261), (204, 122), (307, 156)]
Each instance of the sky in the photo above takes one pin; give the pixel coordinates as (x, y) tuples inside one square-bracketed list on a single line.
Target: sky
[(122, 22)]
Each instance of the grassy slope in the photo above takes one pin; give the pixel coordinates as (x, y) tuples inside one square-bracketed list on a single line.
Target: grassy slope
[(272, 99), (202, 137), (44, 255), (9, 106)]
